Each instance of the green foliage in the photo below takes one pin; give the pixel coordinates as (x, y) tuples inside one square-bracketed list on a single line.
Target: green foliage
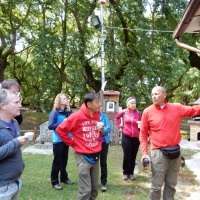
[(60, 51)]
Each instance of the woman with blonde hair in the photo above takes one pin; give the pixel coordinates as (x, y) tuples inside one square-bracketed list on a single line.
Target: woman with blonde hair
[(61, 110)]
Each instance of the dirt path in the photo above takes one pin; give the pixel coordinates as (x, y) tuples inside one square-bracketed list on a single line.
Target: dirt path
[(187, 188)]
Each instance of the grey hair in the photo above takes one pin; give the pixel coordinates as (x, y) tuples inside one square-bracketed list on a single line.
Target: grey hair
[(8, 83), (4, 95), (161, 88)]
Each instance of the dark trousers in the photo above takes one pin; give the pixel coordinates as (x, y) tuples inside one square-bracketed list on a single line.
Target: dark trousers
[(60, 151), (103, 163), (130, 148)]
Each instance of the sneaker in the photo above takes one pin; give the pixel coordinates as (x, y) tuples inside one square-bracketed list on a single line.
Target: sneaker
[(132, 177), (103, 188), (68, 182), (125, 177), (57, 187)]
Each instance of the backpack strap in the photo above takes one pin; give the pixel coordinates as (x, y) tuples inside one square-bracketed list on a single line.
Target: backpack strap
[(123, 113)]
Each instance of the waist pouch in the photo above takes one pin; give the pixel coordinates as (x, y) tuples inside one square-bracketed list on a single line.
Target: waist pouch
[(172, 152), (92, 158)]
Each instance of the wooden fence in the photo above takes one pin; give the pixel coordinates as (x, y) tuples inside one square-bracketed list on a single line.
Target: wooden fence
[(115, 135)]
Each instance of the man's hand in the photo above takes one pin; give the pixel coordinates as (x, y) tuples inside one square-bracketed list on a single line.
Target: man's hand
[(68, 107), (145, 156), (101, 130), (22, 140)]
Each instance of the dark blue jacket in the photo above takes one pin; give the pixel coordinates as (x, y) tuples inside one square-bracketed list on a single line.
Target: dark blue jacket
[(11, 162), (55, 118)]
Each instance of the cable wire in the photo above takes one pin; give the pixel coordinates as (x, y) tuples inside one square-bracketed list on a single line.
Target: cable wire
[(144, 30)]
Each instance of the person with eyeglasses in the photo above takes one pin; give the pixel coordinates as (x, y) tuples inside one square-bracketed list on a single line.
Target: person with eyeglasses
[(13, 85), (11, 161)]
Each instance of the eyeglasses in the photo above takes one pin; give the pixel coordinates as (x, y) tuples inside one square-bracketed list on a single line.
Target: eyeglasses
[(17, 93)]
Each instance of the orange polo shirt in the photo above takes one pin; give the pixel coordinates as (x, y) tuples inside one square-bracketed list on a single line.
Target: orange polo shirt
[(163, 125)]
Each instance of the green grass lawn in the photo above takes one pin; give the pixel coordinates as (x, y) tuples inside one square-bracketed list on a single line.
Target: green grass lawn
[(37, 185)]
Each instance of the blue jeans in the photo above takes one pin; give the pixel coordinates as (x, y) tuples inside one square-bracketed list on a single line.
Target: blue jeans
[(10, 191)]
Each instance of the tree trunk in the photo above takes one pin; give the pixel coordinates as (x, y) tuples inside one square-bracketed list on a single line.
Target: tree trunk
[(194, 60), (3, 64)]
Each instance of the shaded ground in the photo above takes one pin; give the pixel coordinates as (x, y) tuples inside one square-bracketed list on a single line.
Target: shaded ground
[(32, 119), (193, 164)]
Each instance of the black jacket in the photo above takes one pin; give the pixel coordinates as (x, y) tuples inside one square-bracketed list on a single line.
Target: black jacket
[(19, 119)]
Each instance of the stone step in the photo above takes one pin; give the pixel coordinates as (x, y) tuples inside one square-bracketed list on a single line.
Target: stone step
[(46, 145), (39, 149)]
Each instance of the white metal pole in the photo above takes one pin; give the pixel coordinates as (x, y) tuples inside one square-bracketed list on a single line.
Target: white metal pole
[(102, 48)]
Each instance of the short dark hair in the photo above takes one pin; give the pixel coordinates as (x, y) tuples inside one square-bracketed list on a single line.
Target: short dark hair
[(90, 97), (8, 83)]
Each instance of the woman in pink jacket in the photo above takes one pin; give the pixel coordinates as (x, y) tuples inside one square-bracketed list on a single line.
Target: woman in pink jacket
[(130, 136)]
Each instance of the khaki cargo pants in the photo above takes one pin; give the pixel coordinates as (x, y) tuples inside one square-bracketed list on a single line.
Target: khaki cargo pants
[(164, 171), (88, 178)]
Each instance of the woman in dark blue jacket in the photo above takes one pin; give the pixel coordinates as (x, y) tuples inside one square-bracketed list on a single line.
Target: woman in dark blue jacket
[(61, 110)]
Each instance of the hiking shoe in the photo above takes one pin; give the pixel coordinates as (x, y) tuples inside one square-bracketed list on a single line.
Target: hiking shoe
[(68, 182), (125, 177), (103, 188), (57, 187), (132, 177)]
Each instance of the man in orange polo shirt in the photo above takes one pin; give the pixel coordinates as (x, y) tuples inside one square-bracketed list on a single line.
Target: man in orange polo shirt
[(162, 122)]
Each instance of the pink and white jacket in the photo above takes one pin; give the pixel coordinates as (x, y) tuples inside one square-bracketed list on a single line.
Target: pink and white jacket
[(129, 118)]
